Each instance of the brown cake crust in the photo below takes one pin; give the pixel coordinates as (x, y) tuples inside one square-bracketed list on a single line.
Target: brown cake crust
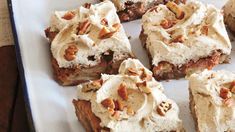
[(230, 22), (79, 74), (165, 70), (87, 118)]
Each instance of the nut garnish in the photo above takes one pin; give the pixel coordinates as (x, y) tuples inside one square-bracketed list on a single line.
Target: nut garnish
[(225, 93), (143, 87), (104, 22), (108, 103), (119, 105), (106, 33), (132, 71), (83, 27), (179, 13), (232, 87), (167, 23), (204, 30), (163, 107), (70, 52), (69, 15), (228, 102), (116, 115), (122, 91), (144, 75), (87, 5), (92, 86), (179, 38), (111, 111)]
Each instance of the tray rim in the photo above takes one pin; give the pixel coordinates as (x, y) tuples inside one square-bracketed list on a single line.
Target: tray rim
[(20, 67)]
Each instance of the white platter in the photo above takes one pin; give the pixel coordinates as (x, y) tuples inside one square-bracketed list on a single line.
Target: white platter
[(50, 104)]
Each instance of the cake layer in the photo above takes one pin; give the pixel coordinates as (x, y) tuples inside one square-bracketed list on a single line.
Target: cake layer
[(131, 101)]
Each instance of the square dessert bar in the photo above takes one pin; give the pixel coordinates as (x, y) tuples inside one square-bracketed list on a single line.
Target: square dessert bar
[(185, 38), (86, 42), (212, 100), (134, 9), (129, 101)]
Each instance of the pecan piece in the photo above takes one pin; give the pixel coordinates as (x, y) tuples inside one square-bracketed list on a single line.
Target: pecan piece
[(167, 23), (68, 15), (163, 107), (87, 5), (122, 91), (144, 75), (104, 22), (132, 71), (130, 111), (83, 27), (108, 103), (116, 115), (225, 93), (204, 30), (143, 87), (92, 86), (179, 38), (106, 33), (232, 87), (119, 105), (179, 13), (70, 52)]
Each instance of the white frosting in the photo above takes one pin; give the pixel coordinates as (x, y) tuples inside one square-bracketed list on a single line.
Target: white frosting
[(88, 44), (145, 118), (212, 114), (229, 8), (196, 45), (120, 4)]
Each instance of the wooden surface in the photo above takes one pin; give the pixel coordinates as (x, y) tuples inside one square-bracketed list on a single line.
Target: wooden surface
[(12, 110)]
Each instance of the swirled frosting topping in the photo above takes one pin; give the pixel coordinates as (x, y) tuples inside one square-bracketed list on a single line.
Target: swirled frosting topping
[(86, 33), (184, 32), (131, 101)]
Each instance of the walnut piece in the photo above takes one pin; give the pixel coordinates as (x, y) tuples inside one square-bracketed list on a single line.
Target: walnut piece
[(232, 87), (179, 38), (116, 115), (143, 87), (205, 30), (144, 76), (69, 15), (92, 86), (122, 91), (108, 103), (70, 52), (179, 13), (83, 27), (163, 107), (225, 93), (107, 33)]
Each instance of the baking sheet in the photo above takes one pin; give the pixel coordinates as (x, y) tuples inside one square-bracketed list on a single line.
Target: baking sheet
[(50, 105)]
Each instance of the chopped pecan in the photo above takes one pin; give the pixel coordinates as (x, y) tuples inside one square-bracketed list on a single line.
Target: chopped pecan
[(83, 27), (106, 33), (122, 91), (143, 87), (111, 111), (163, 107), (119, 105), (116, 115), (132, 71), (179, 38), (145, 76), (92, 86), (87, 5), (232, 87), (104, 22), (204, 30), (108, 103), (68, 15), (167, 23), (179, 13), (70, 52), (225, 93)]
